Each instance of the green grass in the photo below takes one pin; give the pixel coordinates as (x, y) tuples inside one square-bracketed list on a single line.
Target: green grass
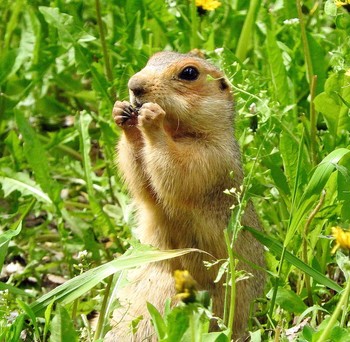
[(63, 64)]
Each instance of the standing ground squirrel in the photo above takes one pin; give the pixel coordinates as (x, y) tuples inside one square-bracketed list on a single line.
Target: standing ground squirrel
[(176, 154)]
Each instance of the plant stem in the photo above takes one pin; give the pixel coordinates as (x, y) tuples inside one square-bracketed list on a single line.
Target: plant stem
[(108, 67), (63, 148), (340, 306), (74, 310), (345, 312), (313, 121), (305, 249), (194, 25), (274, 294), (305, 43), (101, 318), (244, 38), (232, 270), (226, 297)]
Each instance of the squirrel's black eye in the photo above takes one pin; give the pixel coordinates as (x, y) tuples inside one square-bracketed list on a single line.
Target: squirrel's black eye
[(189, 74)]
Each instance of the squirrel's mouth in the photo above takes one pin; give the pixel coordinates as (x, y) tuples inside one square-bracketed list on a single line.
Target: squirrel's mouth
[(136, 102)]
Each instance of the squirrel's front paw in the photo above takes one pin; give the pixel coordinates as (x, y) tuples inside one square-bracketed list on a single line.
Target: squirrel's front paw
[(124, 114), (151, 115)]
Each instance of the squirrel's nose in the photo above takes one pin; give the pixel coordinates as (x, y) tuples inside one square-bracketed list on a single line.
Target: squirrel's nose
[(137, 85)]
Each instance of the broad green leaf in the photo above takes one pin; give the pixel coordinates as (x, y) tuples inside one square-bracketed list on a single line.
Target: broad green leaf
[(72, 35), (13, 144), (7, 63), (177, 322), (335, 112), (26, 46), (47, 316), (273, 162), (289, 153), (64, 23), (307, 333), (138, 40), (37, 157), (344, 264), (20, 181), (347, 103), (79, 285), (330, 8), (62, 328), (276, 248), (9, 234), (343, 187), (68, 30), (339, 334), (255, 336), (313, 190), (157, 320), (15, 330), (277, 69), (290, 301), (319, 64), (323, 172), (28, 310), (4, 242), (12, 20)]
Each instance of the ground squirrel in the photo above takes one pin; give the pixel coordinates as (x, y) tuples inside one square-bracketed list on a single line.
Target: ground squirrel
[(176, 154)]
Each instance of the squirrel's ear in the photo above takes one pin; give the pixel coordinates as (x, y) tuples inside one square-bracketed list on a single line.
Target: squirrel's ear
[(197, 53)]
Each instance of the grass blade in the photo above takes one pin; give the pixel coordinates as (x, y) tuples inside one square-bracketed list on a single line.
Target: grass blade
[(276, 248), (77, 286)]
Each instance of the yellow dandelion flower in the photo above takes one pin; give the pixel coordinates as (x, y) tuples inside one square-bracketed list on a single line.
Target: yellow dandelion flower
[(347, 73), (340, 3), (185, 285), (208, 5), (342, 239)]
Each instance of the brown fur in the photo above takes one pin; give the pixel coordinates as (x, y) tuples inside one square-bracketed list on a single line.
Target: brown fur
[(176, 162)]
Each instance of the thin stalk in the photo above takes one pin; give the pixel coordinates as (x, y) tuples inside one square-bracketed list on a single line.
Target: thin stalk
[(25, 212), (75, 309), (246, 33), (340, 306), (63, 148), (194, 25), (305, 245), (274, 294), (345, 312), (305, 43), (313, 121), (226, 297), (287, 238), (103, 311), (277, 334), (232, 271), (107, 62), (110, 185)]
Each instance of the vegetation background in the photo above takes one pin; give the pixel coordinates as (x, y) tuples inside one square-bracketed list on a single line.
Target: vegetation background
[(64, 212)]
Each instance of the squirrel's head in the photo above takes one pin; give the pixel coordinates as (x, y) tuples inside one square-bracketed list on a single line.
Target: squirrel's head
[(191, 90)]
